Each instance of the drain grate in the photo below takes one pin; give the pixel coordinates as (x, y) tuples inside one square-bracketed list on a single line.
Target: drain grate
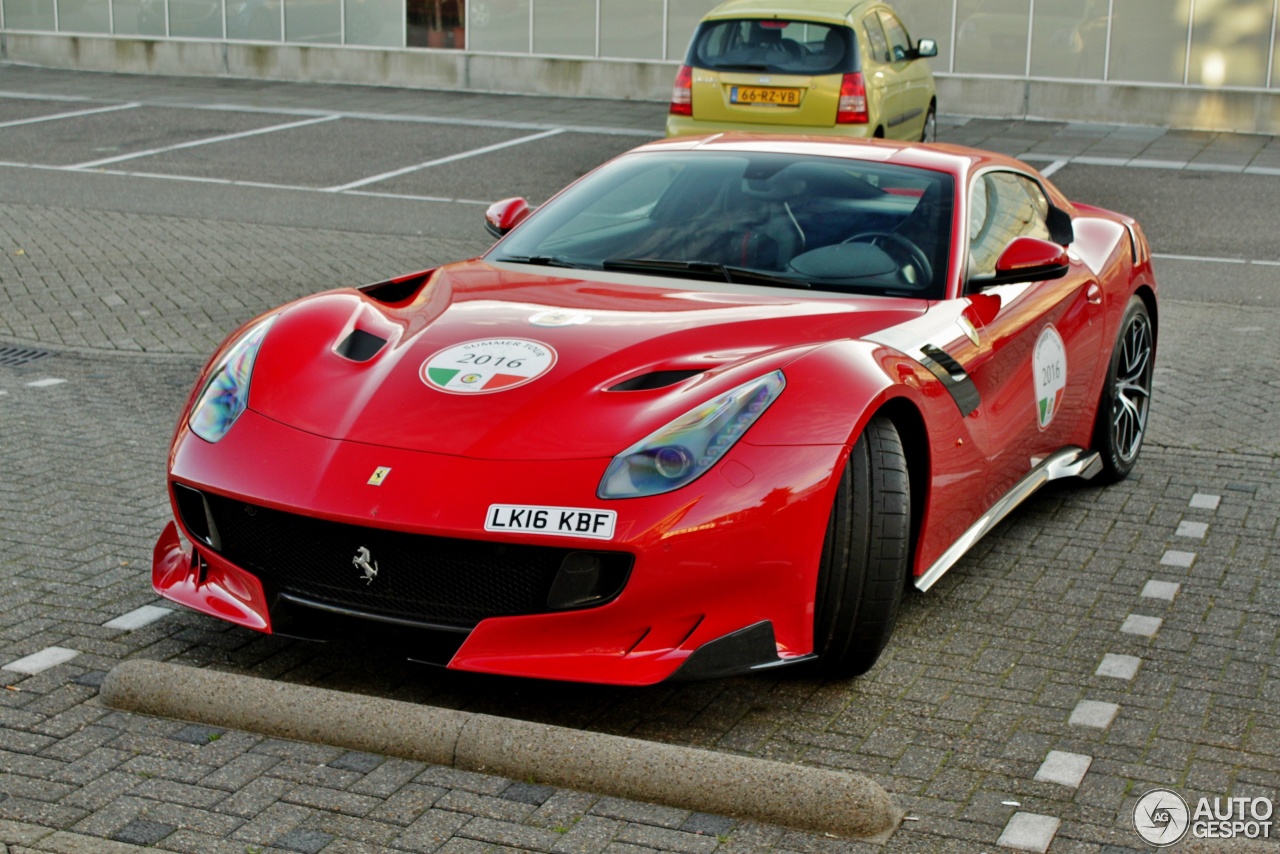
[(12, 357)]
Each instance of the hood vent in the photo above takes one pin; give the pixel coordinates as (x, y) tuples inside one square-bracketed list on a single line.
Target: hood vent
[(654, 379), (360, 346)]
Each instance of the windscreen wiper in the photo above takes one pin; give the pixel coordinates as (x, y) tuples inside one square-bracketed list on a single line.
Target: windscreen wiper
[(541, 260), (704, 269)]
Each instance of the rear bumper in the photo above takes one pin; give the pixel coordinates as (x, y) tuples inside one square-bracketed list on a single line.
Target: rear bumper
[(686, 126)]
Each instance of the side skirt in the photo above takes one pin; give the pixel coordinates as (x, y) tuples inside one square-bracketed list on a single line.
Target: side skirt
[(1067, 462)]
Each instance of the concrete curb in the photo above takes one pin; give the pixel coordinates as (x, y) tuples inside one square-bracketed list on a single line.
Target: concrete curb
[(802, 797)]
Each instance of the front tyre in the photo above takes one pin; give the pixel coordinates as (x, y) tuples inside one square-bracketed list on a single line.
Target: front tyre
[(865, 554), (1126, 397)]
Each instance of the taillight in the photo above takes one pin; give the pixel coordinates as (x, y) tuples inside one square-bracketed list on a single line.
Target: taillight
[(682, 92), (853, 101)]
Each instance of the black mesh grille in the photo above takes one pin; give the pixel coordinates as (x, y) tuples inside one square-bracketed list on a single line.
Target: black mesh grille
[(424, 579)]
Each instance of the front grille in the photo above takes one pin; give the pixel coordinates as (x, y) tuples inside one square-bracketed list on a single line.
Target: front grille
[(421, 579)]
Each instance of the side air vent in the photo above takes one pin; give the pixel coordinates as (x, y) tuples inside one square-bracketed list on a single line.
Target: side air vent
[(653, 379), (360, 346)]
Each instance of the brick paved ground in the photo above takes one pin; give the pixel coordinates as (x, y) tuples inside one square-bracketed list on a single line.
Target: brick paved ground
[(977, 688)]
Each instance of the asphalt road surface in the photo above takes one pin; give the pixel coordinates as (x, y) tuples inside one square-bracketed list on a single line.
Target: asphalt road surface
[(1100, 643)]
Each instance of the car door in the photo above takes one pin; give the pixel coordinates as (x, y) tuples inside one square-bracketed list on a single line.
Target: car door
[(1036, 344), (907, 81), (884, 86)]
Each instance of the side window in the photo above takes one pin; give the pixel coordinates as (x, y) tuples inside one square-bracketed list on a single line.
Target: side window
[(1002, 206), (875, 36), (899, 41)]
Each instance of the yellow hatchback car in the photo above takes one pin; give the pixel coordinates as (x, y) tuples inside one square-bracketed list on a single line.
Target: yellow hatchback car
[(812, 66)]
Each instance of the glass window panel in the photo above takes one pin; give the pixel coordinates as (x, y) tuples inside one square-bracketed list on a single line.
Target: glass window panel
[(315, 21), (1003, 206), (876, 41), (201, 19), (1275, 56), (138, 17), (83, 16), (631, 29), (991, 36), (929, 19), (1069, 39), (501, 25), (564, 27), (28, 15), (1148, 40), (432, 23), (1229, 42), (682, 18), (899, 41), (377, 22), (253, 20)]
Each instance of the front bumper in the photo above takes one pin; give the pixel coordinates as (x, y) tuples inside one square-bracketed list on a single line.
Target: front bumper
[(733, 550)]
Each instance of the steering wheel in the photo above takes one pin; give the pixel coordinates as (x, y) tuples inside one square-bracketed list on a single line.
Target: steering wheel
[(915, 255)]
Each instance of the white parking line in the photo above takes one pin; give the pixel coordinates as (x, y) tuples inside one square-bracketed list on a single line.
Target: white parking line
[(396, 173), (59, 116), (38, 662), (93, 164), (138, 617), (1053, 167)]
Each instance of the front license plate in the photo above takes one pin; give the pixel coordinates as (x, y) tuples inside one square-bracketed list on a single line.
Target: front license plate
[(762, 95), (556, 521)]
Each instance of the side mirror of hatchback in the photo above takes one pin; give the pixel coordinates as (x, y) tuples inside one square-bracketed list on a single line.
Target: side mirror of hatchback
[(926, 47)]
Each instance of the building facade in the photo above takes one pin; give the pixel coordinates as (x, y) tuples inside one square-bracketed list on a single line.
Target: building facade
[(1202, 63)]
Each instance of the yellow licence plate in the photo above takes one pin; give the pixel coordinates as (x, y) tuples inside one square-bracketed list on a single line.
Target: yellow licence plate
[(763, 95)]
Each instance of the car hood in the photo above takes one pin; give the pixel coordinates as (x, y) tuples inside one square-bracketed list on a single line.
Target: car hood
[(600, 360)]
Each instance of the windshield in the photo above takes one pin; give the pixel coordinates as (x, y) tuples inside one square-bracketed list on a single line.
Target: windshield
[(774, 46), (824, 223)]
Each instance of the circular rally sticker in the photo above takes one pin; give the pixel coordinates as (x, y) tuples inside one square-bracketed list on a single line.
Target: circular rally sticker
[(487, 365), (1050, 365)]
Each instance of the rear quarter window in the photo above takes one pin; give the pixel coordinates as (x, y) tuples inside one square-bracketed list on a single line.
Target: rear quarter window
[(773, 46)]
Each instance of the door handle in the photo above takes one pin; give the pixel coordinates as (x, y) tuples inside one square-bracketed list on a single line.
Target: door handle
[(1093, 294)]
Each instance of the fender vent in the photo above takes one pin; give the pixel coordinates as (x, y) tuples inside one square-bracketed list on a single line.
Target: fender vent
[(653, 379), (360, 346), (13, 357)]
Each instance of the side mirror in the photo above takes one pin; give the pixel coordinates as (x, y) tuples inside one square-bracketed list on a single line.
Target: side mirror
[(505, 215), (926, 47), (1027, 259)]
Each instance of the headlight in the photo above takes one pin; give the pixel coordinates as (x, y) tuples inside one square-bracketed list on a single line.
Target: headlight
[(687, 447), (226, 394)]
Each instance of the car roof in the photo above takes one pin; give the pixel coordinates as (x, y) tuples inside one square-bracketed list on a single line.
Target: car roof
[(958, 160), (833, 11), (939, 157)]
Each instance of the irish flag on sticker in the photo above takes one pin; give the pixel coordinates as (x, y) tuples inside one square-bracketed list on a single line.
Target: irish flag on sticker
[(487, 365)]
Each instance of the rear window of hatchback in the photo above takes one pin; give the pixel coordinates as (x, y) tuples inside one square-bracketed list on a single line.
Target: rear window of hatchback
[(774, 46)]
